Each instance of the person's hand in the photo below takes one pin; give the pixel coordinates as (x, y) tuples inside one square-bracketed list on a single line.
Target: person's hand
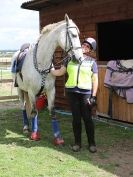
[(92, 101), (52, 69)]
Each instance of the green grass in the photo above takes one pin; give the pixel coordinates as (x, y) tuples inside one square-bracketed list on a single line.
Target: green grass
[(20, 157)]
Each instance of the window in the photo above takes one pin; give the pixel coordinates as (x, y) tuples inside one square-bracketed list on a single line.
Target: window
[(115, 40)]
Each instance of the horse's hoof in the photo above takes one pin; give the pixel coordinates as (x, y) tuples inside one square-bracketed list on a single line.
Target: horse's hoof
[(35, 136), (58, 141), (26, 129)]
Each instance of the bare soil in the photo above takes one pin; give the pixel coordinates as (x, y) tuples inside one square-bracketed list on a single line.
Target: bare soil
[(120, 156)]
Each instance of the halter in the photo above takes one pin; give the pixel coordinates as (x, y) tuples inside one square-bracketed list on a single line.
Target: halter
[(44, 72)]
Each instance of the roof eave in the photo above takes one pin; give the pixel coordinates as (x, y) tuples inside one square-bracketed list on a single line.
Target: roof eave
[(39, 4)]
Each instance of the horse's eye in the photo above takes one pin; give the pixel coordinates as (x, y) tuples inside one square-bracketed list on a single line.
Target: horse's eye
[(74, 35)]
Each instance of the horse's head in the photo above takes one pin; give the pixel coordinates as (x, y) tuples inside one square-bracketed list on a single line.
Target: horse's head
[(69, 39)]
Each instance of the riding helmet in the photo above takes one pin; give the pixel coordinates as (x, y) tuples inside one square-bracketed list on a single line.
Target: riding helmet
[(91, 42)]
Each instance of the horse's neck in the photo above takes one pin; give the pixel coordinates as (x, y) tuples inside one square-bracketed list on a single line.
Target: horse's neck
[(46, 48)]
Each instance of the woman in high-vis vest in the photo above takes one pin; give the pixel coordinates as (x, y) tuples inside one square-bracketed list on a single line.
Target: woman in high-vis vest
[(81, 88)]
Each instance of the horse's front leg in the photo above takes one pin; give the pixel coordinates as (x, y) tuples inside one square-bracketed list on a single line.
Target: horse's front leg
[(35, 135), (58, 140)]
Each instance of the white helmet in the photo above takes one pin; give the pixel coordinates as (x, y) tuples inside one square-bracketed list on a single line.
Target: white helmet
[(91, 42)]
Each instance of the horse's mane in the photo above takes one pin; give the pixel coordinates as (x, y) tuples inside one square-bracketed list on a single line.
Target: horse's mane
[(49, 27)]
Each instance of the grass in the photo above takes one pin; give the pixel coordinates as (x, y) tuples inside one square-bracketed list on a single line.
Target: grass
[(20, 157)]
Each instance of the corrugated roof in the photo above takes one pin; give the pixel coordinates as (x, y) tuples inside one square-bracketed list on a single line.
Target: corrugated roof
[(39, 4)]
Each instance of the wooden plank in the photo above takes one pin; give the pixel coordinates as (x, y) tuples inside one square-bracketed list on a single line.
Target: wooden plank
[(9, 97), (5, 63), (6, 80)]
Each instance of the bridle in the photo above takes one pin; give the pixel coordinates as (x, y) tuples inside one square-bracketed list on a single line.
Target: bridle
[(69, 39), (66, 56)]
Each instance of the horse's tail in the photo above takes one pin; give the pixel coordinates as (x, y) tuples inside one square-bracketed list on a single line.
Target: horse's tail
[(28, 104)]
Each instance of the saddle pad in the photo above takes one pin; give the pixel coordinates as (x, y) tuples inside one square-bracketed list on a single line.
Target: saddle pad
[(18, 61)]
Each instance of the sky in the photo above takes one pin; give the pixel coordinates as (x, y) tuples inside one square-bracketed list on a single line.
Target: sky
[(17, 25)]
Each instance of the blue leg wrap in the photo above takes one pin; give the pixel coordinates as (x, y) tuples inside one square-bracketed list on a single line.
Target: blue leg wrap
[(34, 124), (25, 118), (55, 128)]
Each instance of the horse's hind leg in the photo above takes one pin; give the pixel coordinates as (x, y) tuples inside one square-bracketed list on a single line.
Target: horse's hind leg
[(24, 114), (35, 135)]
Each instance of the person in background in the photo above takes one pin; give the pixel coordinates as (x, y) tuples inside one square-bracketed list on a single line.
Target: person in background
[(81, 89)]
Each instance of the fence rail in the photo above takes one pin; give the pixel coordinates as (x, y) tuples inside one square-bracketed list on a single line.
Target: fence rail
[(12, 97), (5, 63), (6, 80), (7, 90)]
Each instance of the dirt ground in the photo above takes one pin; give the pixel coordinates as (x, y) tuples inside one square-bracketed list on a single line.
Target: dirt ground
[(120, 155)]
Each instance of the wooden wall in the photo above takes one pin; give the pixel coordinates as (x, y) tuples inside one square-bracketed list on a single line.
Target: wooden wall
[(121, 110), (86, 14)]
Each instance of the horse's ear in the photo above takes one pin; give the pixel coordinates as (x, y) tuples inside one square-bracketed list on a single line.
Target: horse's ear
[(66, 18)]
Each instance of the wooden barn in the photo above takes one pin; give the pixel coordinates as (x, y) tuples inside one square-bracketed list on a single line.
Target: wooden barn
[(110, 22)]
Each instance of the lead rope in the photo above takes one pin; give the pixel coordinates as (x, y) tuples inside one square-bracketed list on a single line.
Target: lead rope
[(43, 73)]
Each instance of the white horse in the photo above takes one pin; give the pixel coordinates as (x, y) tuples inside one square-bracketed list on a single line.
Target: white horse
[(35, 78)]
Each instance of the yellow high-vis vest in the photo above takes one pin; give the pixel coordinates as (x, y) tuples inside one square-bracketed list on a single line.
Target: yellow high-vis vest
[(80, 75)]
